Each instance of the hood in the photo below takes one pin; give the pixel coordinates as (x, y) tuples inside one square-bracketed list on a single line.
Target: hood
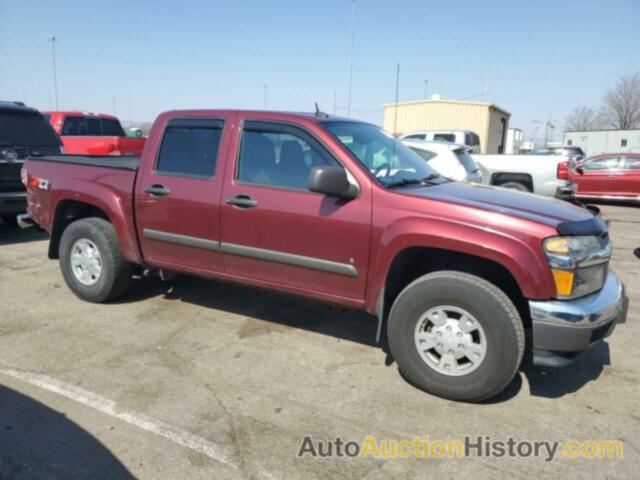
[(566, 217)]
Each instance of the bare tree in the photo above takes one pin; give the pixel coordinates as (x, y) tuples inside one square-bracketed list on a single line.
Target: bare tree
[(582, 118), (621, 104)]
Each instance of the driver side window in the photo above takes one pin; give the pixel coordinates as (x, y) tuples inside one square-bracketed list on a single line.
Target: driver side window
[(599, 164), (279, 158)]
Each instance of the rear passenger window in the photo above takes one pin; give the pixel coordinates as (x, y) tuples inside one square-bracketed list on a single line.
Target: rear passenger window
[(93, 126), (74, 126), (278, 158), (190, 147), (632, 163), (444, 137)]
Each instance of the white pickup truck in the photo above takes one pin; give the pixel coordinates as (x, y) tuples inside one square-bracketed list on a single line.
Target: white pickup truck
[(542, 174)]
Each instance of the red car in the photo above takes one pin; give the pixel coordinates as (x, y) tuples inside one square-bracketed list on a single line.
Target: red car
[(610, 176), (336, 210), (93, 134)]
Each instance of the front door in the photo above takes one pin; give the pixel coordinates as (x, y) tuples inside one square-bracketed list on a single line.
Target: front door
[(275, 230), (178, 201)]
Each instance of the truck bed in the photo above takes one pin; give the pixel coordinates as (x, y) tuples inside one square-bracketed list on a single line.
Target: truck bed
[(105, 161)]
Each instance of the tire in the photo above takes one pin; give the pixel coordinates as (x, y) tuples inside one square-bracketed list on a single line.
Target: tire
[(10, 220), (499, 325), (521, 187), (115, 272)]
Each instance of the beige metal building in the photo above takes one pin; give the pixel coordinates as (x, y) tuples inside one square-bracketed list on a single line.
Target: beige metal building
[(488, 121)]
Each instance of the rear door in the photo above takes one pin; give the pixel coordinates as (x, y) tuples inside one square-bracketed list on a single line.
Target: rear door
[(599, 177), (178, 196), (630, 177), (276, 232)]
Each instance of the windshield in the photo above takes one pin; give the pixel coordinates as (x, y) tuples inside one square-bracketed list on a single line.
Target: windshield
[(27, 129), (387, 158)]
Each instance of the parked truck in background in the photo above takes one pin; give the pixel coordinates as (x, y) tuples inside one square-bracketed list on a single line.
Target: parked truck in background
[(93, 134), (546, 175), (338, 211), (23, 132)]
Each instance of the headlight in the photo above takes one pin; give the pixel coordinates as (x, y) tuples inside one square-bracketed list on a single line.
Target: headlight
[(579, 264)]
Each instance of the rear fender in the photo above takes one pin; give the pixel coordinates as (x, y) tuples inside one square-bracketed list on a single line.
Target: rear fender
[(117, 208)]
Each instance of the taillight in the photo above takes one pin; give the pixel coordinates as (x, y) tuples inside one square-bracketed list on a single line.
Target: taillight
[(112, 149), (563, 171)]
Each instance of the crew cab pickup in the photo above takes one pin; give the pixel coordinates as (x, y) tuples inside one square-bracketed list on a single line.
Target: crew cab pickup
[(93, 134), (542, 174), (337, 210)]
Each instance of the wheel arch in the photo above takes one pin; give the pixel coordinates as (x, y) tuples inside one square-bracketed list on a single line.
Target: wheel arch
[(507, 262), (99, 202)]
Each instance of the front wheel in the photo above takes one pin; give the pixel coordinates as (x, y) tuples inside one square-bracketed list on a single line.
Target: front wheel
[(91, 261), (456, 335)]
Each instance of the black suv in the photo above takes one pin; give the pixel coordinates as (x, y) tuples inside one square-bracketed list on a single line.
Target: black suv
[(23, 132)]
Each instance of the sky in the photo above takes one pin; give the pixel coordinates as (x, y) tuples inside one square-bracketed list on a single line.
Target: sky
[(542, 58)]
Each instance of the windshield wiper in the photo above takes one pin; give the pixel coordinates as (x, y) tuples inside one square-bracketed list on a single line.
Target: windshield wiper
[(414, 181)]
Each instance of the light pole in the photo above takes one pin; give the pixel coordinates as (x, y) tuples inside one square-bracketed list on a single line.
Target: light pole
[(426, 82), (353, 12), (52, 39)]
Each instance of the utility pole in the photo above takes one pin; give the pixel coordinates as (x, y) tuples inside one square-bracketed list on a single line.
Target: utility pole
[(395, 119), (353, 13), (52, 39), (264, 96), (486, 86)]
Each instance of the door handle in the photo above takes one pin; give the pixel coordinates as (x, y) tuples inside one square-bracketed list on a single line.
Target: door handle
[(157, 190), (241, 201)]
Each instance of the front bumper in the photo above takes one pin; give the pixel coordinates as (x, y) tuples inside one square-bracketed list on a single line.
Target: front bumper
[(562, 330)]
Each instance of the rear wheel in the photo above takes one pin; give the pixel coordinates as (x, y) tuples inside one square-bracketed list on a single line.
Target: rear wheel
[(521, 187), (456, 335), (91, 261)]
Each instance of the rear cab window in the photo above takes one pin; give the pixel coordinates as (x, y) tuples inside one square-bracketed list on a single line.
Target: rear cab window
[(90, 125), (26, 128), (466, 160), (112, 128), (190, 148)]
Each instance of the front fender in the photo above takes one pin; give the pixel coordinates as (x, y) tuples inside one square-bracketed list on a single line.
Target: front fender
[(116, 206), (521, 256)]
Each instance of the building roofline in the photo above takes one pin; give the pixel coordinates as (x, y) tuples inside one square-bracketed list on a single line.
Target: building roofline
[(605, 130), (448, 100)]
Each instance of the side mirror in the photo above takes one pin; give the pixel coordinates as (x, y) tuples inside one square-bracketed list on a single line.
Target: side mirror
[(331, 180), (580, 170)]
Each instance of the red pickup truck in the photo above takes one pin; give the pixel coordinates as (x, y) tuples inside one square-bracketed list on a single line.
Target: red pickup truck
[(337, 210), (93, 134)]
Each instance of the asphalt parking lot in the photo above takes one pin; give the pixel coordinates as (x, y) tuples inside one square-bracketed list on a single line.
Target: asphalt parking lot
[(198, 379)]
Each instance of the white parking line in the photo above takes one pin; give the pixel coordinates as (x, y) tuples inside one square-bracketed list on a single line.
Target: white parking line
[(109, 407)]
